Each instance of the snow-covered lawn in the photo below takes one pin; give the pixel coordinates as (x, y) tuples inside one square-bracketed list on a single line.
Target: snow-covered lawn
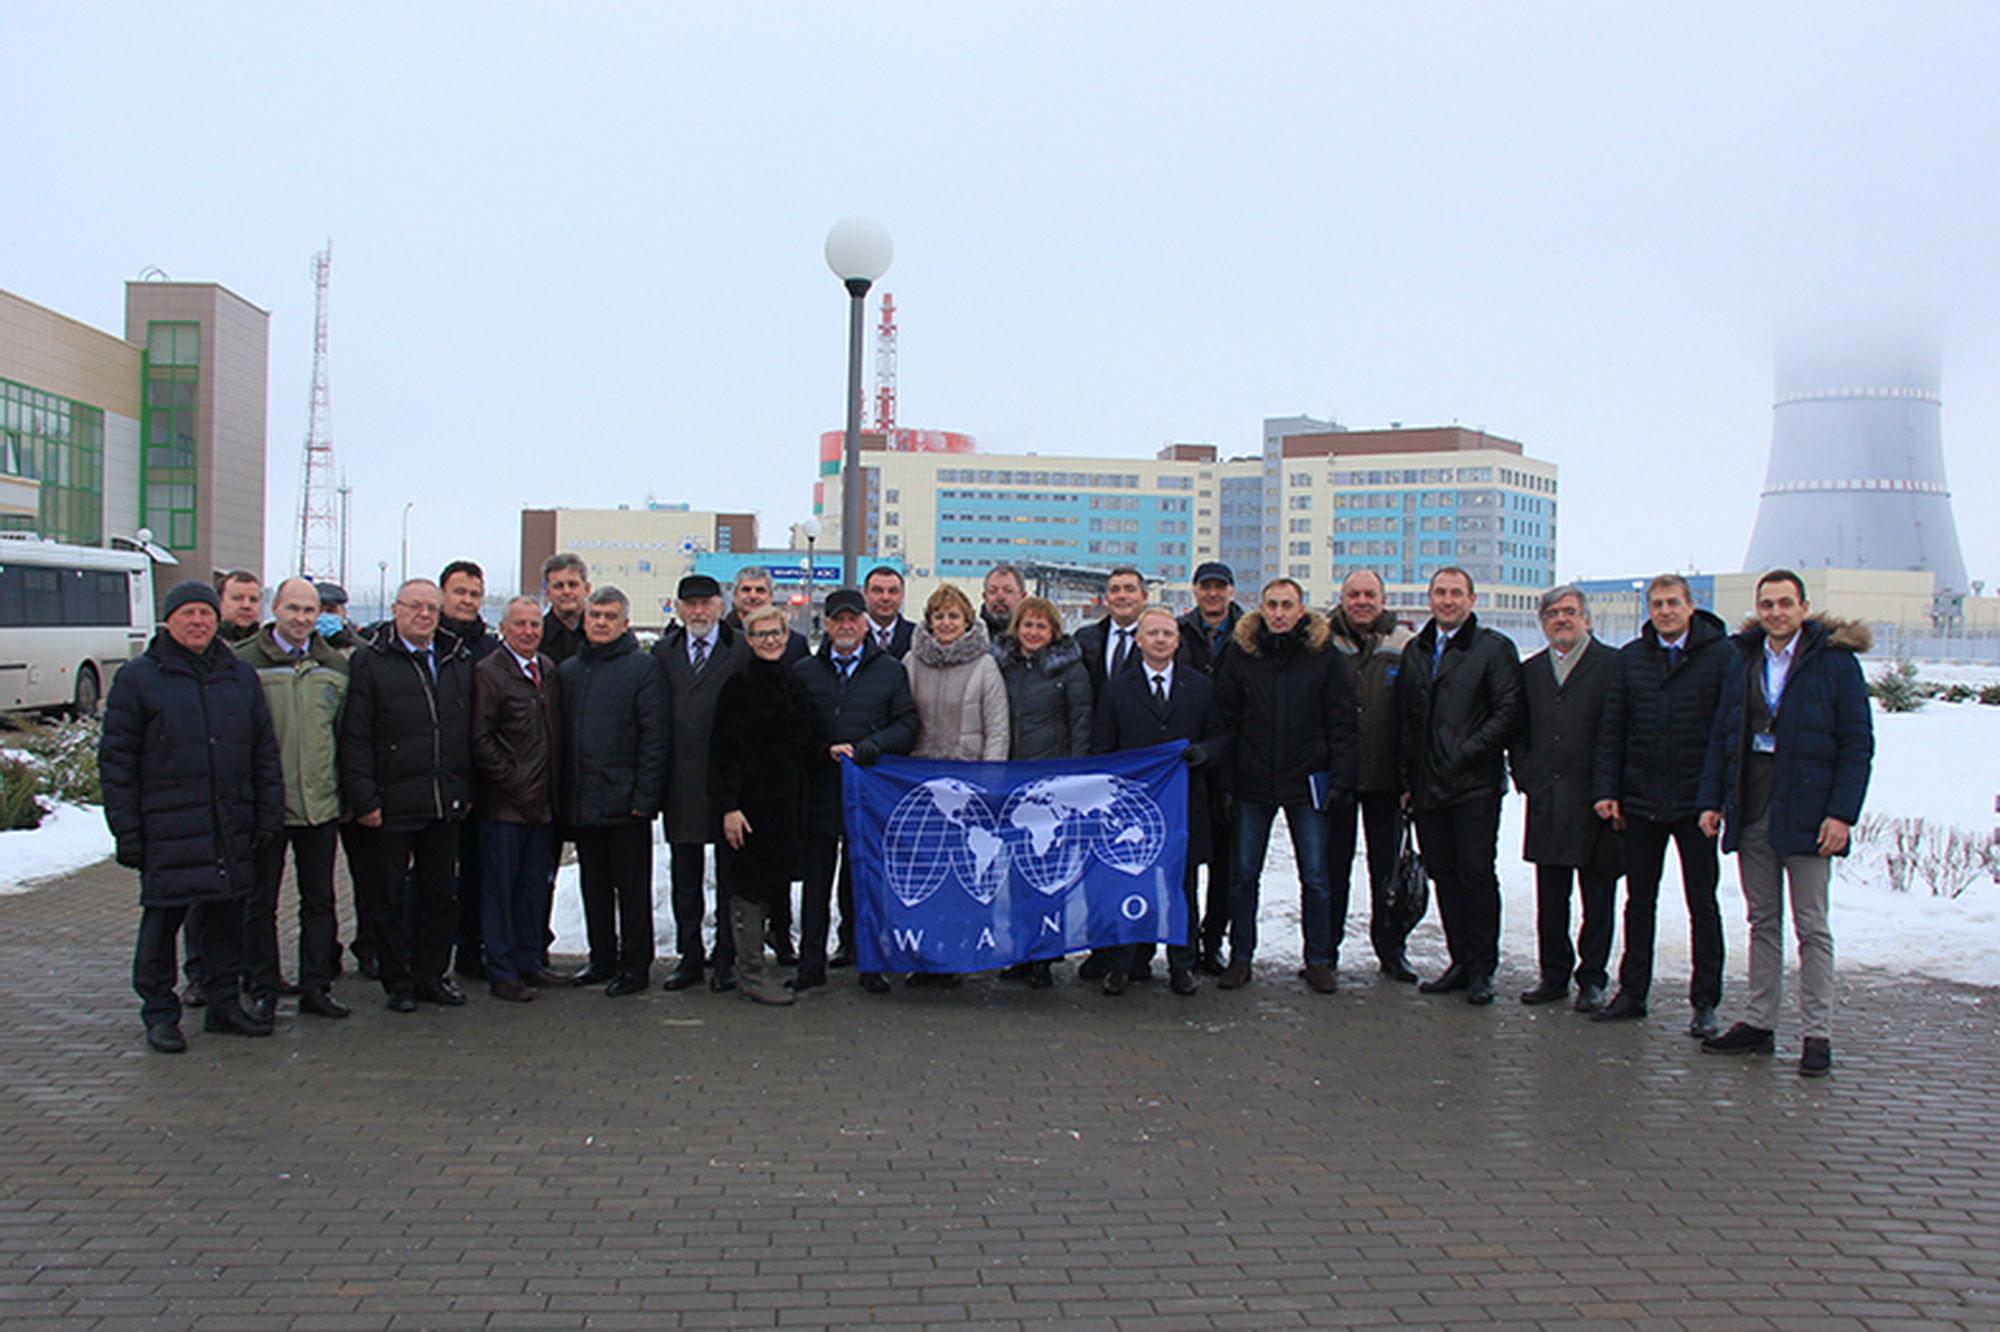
[(1941, 764)]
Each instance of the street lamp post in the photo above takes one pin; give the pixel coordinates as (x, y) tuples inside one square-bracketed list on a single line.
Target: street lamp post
[(406, 542), (858, 250), (809, 529)]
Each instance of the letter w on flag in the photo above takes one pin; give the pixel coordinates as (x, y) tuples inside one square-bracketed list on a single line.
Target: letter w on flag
[(971, 866)]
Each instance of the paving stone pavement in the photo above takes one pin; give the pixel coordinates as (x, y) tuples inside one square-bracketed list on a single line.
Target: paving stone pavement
[(987, 1158)]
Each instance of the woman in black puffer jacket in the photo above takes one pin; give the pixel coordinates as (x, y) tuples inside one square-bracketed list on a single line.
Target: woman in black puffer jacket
[(1048, 687)]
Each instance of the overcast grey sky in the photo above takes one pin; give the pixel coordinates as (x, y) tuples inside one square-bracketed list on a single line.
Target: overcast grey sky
[(577, 248)]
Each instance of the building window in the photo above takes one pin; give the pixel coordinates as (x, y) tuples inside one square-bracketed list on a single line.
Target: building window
[(167, 489), (59, 444)]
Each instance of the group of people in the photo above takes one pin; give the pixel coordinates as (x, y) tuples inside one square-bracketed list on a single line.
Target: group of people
[(451, 764)]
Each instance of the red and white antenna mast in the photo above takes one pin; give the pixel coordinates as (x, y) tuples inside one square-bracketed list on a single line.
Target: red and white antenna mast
[(885, 367), (320, 501)]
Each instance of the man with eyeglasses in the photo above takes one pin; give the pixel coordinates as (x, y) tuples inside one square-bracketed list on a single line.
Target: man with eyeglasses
[(1563, 687), (406, 773)]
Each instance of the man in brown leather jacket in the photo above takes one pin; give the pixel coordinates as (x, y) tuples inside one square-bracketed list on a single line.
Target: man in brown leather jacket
[(516, 727)]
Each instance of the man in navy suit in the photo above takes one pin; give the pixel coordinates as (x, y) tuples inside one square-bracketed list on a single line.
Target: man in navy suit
[(1155, 702), (1109, 644), (882, 589)]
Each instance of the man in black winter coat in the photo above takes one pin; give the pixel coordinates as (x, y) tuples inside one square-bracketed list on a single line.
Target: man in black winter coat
[(862, 709), (1287, 703), (1459, 696), (1206, 632), (1647, 781), (192, 785), (463, 587), (406, 773), (1564, 686), (617, 724)]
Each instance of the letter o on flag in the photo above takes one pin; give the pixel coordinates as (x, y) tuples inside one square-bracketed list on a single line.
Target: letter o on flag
[(1135, 907)]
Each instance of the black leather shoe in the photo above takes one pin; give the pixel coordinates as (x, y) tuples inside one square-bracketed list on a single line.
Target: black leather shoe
[(1479, 990), (402, 1003), (843, 958), (874, 982), (512, 991), (233, 1022), (809, 978), (368, 963), (1398, 969), (1039, 976), (262, 1007), (1817, 1060), (166, 1037), (683, 977), (1548, 992), (1743, 1039), (722, 979), (443, 992), (1703, 1024), (1622, 1008), (1589, 998), (621, 986), (1095, 966), (1211, 964), (1181, 981), (1019, 971), (593, 976), (1117, 981), (1453, 978), (321, 1003)]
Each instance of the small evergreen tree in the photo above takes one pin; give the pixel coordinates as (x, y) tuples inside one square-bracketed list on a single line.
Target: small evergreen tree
[(1895, 687)]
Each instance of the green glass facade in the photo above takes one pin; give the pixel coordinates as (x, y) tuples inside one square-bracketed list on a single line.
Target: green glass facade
[(58, 444), (167, 495)]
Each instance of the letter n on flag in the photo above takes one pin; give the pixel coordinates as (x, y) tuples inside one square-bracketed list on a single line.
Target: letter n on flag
[(971, 866)]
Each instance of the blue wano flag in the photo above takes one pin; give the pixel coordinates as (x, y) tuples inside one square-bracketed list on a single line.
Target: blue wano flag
[(971, 866)]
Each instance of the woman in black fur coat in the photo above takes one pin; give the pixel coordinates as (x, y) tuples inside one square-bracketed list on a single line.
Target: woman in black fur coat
[(758, 759)]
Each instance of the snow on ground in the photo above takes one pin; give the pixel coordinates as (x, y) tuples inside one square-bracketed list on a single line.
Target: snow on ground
[(1941, 764), (70, 837)]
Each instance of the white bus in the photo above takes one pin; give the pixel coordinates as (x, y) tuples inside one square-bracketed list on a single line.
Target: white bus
[(70, 616)]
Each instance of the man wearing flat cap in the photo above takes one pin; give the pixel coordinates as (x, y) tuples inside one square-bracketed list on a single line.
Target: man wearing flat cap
[(862, 708), (699, 654)]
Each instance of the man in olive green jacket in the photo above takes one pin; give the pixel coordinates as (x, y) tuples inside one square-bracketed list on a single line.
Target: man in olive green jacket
[(305, 683)]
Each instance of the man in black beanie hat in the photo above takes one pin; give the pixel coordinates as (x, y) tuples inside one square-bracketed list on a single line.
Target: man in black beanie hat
[(186, 734)]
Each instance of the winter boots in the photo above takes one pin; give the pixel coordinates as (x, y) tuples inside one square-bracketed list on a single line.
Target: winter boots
[(756, 978)]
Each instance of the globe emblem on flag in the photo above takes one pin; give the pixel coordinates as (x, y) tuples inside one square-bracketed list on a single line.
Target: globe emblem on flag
[(939, 826), (1131, 830), (1056, 824)]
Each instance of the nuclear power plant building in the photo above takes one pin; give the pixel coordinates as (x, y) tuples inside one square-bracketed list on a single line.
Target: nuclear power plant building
[(1856, 478)]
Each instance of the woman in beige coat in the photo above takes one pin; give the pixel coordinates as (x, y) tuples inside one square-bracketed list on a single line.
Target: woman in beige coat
[(961, 697)]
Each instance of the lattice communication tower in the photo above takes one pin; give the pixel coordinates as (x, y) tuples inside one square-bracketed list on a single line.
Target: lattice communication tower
[(885, 367), (322, 551)]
